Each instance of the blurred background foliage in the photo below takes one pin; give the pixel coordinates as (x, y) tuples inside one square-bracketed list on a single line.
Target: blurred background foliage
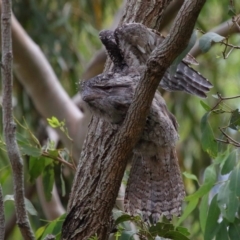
[(67, 33)]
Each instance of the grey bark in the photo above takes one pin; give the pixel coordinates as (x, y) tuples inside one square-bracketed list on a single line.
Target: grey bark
[(106, 151), (2, 217), (9, 125)]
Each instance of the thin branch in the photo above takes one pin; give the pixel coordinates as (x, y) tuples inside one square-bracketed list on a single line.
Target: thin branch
[(9, 124), (235, 20), (59, 159), (221, 99), (227, 98), (228, 137), (2, 217)]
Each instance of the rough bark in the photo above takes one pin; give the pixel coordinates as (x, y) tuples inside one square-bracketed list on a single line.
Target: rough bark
[(9, 125), (106, 151), (2, 217)]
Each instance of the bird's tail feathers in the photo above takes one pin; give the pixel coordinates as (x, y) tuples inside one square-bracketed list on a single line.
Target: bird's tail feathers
[(155, 186), (186, 79)]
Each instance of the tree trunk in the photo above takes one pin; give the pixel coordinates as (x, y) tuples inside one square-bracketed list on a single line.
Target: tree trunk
[(107, 150)]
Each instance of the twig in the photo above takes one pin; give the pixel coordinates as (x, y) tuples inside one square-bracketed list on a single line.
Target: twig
[(227, 98), (9, 125), (228, 137), (2, 217), (235, 20), (59, 159), (223, 99), (228, 140)]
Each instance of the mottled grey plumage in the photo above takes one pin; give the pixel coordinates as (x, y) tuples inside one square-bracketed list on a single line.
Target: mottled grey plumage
[(137, 43), (155, 185)]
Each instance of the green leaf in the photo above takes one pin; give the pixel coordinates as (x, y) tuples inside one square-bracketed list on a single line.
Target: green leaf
[(173, 67), (183, 230), (235, 120), (37, 166), (30, 150), (123, 218), (40, 232), (54, 227), (204, 189), (231, 10), (127, 235), (190, 176), (203, 209), (53, 152), (234, 230), (210, 175), (54, 122), (205, 106), (212, 218), (227, 202), (208, 142), (221, 157), (229, 163), (209, 181), (207, 39), (48, 181), (234, 178), (21, 139), (190, 207), (160, 229), (222, 233), (30, 208), (175, 235)]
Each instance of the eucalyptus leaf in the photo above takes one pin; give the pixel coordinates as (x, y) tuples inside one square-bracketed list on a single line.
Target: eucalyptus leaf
[(54, 227), (190, 176), (205, 106), (30, 208), (234, 230), (203, 209), (204, 189), (37, 166), (48, 181), (235, 120), (222, 233), (212, 220), (187, 211), (227, 202), (161, 229), (30, 150), (208, 142), (234, 178), (207, 39), (229, 163), (175, 235), (123, 218)]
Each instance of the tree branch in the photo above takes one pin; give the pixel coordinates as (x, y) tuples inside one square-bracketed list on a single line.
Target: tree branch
[(2, 217), (225, 29), (105, 153), (9, 125)]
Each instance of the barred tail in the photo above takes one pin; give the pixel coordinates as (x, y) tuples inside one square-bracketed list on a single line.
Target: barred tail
[(186, 79), (155, 186)]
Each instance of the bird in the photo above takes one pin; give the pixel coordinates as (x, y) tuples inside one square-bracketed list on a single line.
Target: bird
[(155, 187)]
